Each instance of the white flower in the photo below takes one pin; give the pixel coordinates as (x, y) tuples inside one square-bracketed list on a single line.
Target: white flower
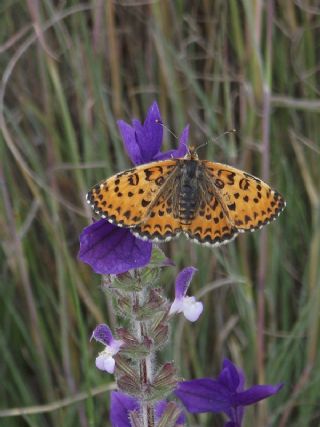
[(189, 306), (105, 360)]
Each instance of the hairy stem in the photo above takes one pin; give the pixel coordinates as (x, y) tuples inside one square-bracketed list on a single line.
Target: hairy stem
[(145, 369)]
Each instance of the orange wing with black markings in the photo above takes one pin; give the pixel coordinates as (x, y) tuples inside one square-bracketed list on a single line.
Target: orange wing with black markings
[(211, 226), (125, 198), (162, 223), (248, 202)]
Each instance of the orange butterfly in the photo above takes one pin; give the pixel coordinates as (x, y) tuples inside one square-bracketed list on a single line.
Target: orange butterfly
[(209, 202)]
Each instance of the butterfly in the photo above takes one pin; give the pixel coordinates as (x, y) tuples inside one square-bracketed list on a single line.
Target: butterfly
[(209, 202)]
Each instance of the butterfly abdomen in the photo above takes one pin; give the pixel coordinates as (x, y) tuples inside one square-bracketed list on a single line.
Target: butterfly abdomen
[(189, 194)]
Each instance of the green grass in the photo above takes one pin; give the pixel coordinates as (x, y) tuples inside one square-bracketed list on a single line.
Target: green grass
[(217, 65)]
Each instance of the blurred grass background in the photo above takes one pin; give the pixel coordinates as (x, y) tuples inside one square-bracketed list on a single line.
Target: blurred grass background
[(69, 70)]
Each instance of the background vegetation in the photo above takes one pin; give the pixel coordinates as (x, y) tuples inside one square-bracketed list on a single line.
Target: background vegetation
[(69, 70)]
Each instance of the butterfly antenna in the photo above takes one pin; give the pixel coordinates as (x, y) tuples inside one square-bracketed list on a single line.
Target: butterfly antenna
[(216, 139), (172, 133), (166, 127)]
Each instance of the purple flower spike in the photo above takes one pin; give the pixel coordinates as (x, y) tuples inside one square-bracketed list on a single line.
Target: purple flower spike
[(105, 360), (225, 394), (190, 308), (112, 250), (122, 405)]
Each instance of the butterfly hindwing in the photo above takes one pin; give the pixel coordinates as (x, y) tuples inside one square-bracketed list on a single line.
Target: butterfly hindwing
[(161, 224), (211, 226), (248, 202), (126, 197)]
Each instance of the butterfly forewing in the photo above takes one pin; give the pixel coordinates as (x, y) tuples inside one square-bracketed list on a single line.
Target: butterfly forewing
[(125, 199), (248, 202)]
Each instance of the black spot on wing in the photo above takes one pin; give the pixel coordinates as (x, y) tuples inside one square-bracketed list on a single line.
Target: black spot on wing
[(145, 203)]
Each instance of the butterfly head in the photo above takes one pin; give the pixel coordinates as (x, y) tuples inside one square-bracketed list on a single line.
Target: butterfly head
[(192, 153)]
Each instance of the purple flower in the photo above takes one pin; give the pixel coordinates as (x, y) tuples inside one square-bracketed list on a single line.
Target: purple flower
[(225, 394), (105, 360), (190, 308), (122, 405), (143, 142), (112, 250), (109, 249)]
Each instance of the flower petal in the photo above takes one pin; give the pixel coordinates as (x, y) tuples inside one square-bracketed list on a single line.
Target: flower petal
[(255, 394), (176, 306), (183, 143), (121, 405), (129, 139), (112, 250), (203, 395), (149, 136), (192, 308), (181, 151), (235, 413), (103, 334), (230, 376), (105, 362), (183, 281), (189, 306)]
